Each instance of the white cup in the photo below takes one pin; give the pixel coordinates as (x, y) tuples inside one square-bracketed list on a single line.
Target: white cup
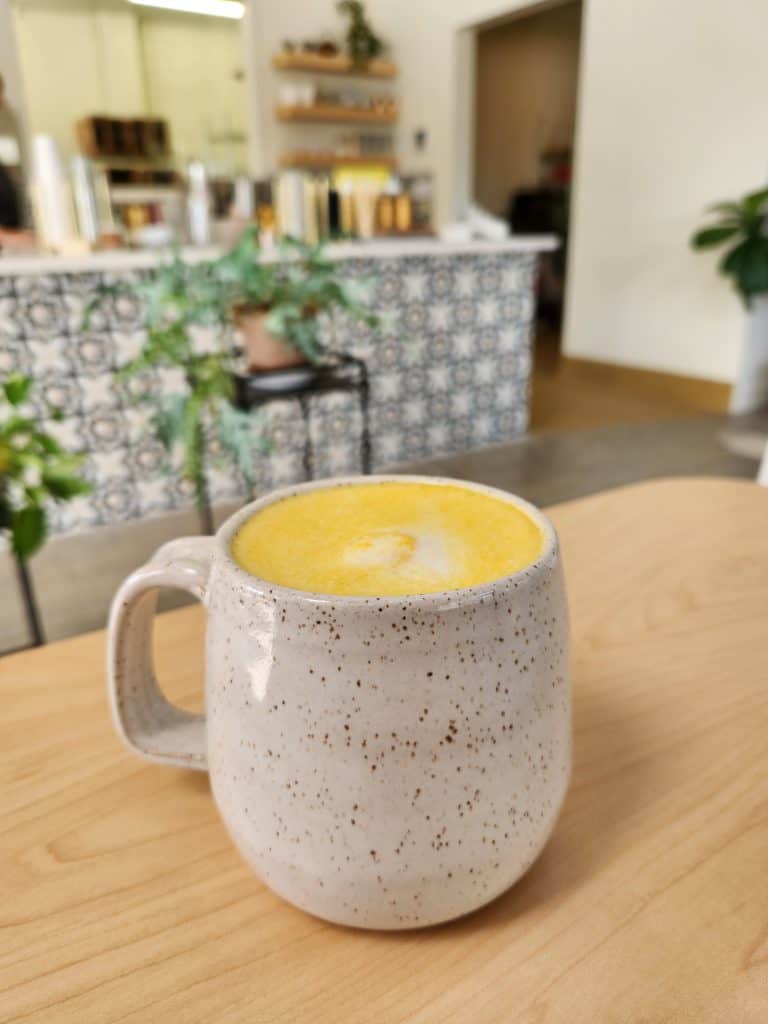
[(381, 762)]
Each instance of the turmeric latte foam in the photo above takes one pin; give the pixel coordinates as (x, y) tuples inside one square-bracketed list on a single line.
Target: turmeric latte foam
[(387, 539)]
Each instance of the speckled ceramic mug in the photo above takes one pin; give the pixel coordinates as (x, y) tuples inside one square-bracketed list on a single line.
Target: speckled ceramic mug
[(382, 762)]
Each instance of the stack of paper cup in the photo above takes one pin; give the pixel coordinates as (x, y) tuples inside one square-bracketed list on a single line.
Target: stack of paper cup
[(198, 204), (51, 194), (84, 188)]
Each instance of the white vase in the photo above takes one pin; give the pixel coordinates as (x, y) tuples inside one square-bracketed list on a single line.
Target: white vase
[(750, 391)]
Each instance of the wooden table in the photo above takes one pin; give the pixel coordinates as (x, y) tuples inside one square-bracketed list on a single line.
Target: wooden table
[(123, 900)]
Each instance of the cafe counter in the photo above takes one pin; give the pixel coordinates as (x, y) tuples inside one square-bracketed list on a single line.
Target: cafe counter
[(449, 369)]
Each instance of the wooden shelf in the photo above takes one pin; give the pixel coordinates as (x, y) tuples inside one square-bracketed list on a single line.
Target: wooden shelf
[(412, 233), (324, 160), (337, 114), (333, 65)]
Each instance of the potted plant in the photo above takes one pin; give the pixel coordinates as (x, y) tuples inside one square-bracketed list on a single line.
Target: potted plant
[(742, 228), (281, 307), (247, 288), (35, 470), (181, 298), (363, 45)]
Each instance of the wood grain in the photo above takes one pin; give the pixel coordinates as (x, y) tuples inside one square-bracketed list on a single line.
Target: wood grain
[(312, 159), (335, 113), (335, 65), (123, 900), (689, 393)]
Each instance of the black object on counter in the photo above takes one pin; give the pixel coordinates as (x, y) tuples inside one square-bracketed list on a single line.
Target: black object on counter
[(334, 213), (10, 205), (544, 211)]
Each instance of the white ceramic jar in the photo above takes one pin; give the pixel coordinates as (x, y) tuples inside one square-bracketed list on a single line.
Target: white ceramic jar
[(379, 762)]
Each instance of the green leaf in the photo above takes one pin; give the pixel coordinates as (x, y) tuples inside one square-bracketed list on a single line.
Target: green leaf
[(752, 276), (192, 435), (64, 485), (754, 203), (708, 237), (747, 264), (731, 211), (28, 530), (16, 425), (235, 431), (731, 261), (168, 419), (47, 443), (16, 388)]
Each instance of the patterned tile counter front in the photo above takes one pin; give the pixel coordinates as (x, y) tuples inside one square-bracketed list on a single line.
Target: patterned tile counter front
[(448, 372)]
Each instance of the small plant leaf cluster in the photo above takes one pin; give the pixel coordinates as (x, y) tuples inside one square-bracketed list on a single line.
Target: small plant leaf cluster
[(307, 286), (34, 470), (363, 45), (179, 299), (742, 226), (300, 289)]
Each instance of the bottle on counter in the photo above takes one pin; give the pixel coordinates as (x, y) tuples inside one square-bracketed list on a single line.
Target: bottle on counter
[(51, 196), (334, 212), (289, 192), (198, 204), (365, 196), (311, 218), (403, 213), (242, 200), (386, 205), (347, 221), (266, 216), (420, 188), (86, 201)]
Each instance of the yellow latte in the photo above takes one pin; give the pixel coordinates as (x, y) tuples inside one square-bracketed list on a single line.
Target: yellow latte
[(387, 539)]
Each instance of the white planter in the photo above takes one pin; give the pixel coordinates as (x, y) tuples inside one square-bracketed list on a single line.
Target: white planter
[(750, 391)]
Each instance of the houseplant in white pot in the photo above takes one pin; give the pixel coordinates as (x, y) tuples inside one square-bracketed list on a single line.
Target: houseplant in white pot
[(742, 228)]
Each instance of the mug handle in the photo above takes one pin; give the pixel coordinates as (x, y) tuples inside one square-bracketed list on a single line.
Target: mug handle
[(146, 722)]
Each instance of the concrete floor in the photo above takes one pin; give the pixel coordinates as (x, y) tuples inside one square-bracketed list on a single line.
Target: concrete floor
[(549, 468), (75, 577)]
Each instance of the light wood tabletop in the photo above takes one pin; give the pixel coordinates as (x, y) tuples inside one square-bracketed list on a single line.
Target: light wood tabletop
[(123, 899)]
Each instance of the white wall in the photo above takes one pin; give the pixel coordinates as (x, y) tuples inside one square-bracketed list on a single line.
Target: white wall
[(194, 75), (672, 117), (269, 23), (83, 57), (9, 61), (432, 42), (77, 59), (427, 46)]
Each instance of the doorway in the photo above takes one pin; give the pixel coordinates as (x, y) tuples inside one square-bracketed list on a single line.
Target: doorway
[(526, 88)]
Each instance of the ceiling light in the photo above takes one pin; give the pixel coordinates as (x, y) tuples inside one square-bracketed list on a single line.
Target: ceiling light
[(215, 8)]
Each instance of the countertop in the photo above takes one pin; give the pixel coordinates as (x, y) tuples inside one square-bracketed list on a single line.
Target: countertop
[(130, 259), (124, 900)]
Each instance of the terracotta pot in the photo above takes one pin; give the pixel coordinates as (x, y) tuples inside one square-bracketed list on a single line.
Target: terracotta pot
[(262, 350)]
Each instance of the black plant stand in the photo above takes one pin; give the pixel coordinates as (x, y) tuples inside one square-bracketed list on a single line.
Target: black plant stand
[(340, 372), (31, 610)]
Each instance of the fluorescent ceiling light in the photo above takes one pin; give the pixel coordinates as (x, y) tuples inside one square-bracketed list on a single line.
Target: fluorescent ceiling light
[(216, 8)]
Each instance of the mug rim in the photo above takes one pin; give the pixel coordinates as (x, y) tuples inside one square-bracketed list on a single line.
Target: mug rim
[(435, 599)]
